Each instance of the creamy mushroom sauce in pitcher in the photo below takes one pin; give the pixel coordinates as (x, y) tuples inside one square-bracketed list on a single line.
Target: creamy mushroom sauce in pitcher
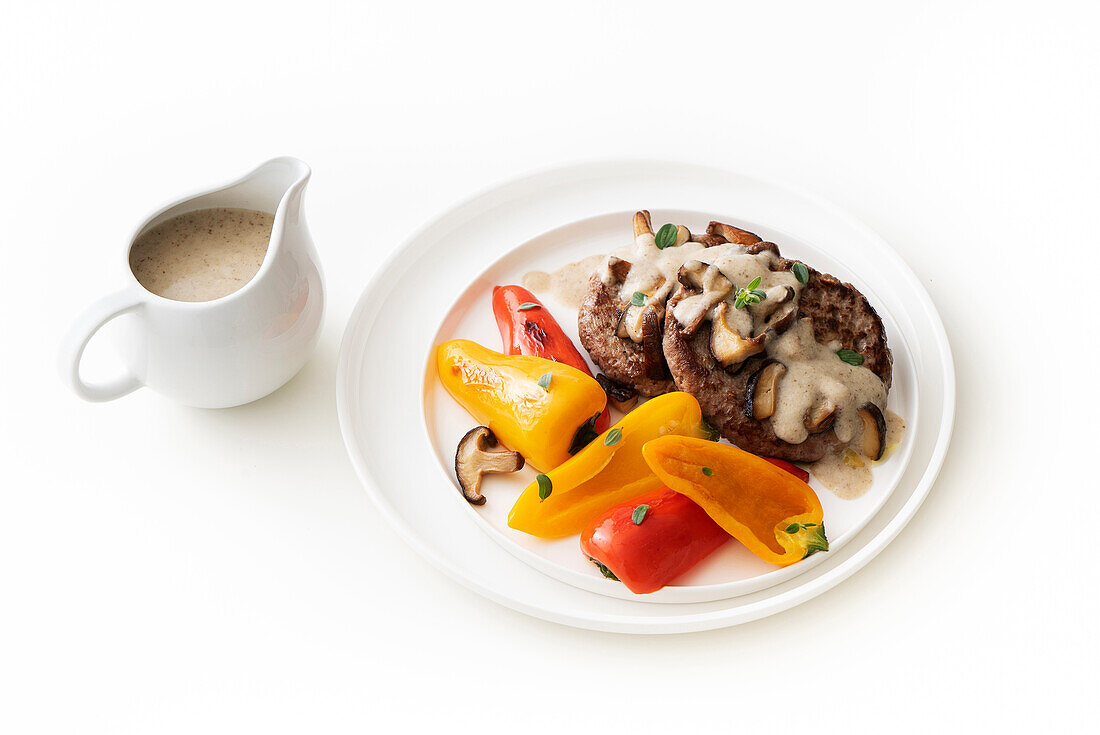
[(814, 372)]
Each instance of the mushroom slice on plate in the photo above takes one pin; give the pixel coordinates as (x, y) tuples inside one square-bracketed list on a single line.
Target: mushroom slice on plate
[(476, 457), (872, 442), (683, 235), (732, 234), (621, 397), (728, 347), (762, 390)]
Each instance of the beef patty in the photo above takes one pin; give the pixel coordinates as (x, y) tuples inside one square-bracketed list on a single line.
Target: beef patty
[(839, 312)]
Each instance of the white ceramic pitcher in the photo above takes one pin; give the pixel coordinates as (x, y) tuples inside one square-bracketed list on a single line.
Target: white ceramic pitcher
[(231, 350)]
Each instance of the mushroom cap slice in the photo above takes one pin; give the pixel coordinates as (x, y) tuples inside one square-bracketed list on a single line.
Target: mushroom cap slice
[(476, 457), (762, 390), (619, 268), (683, 235), (642, 224), (708, 240), (652, 353), (872, 442), (621, 397), (820, 417), (732, 234), (729, 348)]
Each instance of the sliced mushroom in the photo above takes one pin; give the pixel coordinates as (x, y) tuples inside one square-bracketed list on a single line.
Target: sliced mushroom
[(630, 323), (475, 458), (777, 311), (781, 320), (728, 347), (642, 224), (655, 366), (820, 417), (708, 240), (691, 273), (619, 268), (762, 390), (619, 396), (732, 234), (683, 235), (872, 442)]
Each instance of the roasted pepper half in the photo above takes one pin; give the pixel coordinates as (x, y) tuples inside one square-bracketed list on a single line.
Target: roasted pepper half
[(533, 406), (649, 541), (775, 515), (607, 472), (528, 328)]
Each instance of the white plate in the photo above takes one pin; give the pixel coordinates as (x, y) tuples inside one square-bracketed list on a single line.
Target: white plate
[(562, 209)]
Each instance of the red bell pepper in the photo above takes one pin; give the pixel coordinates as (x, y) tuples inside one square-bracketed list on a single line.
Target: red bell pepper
[(673, 535), (783, 464), (528, 328), (647, 549)]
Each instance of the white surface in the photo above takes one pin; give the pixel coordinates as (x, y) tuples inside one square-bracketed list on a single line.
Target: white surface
[(175, 570), (545, 221)]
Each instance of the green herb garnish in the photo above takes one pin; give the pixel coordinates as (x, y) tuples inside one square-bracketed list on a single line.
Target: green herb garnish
[(666, 236), (639, 514), (708, 471), (528, 305), (544, 381), (613, 437), (796, 527), (638, 299), (712, 434), (850, 356), (801, 272), (545, 486), (586, 432), (604, 570), (750, 295)]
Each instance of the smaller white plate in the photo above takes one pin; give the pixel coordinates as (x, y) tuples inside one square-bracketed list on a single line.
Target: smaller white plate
[(732, 570)]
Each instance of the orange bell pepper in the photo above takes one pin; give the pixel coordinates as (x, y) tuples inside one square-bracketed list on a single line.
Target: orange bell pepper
[(605, 473), (533, 405), (775, 515)]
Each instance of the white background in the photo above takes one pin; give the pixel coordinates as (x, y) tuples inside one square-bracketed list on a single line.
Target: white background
[(165, 569)]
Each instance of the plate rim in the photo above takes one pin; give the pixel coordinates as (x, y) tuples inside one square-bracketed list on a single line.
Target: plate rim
[(373, 294)]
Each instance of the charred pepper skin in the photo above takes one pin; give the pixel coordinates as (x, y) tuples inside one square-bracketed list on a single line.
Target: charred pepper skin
[(504, 392)]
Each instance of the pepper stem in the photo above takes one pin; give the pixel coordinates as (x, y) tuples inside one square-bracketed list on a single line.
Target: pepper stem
[(814, 540)]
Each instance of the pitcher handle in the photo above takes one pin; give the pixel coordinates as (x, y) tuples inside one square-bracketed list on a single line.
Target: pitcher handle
[(81, 332)]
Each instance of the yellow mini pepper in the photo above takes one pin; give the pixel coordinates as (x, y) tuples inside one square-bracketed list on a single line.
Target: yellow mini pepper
[(773, 513), (609, 471), (533, 405)]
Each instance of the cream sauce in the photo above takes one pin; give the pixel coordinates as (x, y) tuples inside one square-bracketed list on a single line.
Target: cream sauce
[(567, 284), (848, 479), (815, 374)]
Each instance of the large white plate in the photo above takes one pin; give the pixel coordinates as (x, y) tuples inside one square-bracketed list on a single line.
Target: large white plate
[(399, 314)]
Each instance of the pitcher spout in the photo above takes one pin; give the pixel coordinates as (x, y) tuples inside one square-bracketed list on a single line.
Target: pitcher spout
[(282, 183)]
